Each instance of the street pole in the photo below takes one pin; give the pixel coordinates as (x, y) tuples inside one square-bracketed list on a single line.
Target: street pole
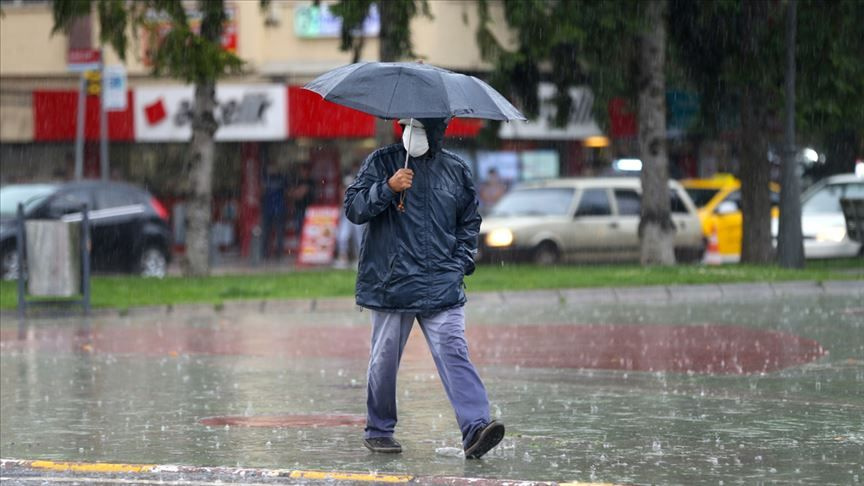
[(79, 128), (103, 123), (790, 246)]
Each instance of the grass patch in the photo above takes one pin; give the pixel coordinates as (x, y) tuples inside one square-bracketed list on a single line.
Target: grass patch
[(123, 292)]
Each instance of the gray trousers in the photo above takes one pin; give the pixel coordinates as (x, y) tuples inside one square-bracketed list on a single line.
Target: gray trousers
[(445, 335)]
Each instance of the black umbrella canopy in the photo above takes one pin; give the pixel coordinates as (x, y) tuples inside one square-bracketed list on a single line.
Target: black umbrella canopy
[(412, 90)]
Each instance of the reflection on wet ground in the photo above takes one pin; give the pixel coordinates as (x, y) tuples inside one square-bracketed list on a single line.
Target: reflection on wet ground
[(675, 393)]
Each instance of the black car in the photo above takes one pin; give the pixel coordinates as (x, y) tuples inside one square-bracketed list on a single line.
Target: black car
[(129, 227)]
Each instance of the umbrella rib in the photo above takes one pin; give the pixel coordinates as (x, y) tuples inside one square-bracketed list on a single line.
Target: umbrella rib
[(446, 94), (393, 94)]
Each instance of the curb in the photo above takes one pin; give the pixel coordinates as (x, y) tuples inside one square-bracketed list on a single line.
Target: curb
[(650, 294), (24, 470)]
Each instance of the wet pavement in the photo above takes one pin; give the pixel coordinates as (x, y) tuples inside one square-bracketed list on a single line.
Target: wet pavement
[(646, 386)]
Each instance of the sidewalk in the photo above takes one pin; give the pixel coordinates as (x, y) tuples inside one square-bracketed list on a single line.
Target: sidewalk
[(642, 295), (655, 385)]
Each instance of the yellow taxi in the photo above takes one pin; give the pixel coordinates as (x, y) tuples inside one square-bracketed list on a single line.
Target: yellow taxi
[(719, 201)]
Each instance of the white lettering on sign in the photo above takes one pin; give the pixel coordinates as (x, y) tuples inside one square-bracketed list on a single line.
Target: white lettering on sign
[(254, 112)]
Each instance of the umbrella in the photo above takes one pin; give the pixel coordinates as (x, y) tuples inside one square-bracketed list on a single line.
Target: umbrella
[(412, 90)]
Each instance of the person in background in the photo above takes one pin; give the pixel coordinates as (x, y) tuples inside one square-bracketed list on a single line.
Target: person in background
[(273, 209), (491, 190), (302, 195), (350, 235)]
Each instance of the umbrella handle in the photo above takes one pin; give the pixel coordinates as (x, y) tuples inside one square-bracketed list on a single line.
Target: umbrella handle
[(401, 205)]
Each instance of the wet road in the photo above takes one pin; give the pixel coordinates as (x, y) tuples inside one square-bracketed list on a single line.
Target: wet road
[(768, 389)]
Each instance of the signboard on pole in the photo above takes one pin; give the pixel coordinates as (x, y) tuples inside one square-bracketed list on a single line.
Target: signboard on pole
[(253, 112), (83, 59), (318, 241), (114, 88)]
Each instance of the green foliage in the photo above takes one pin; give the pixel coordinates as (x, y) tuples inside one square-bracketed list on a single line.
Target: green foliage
[(730, 46), (830, 74), (183, 53), (567, 43), (395, 15)]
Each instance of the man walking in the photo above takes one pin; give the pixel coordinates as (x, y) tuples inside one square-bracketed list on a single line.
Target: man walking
[(419, 245)]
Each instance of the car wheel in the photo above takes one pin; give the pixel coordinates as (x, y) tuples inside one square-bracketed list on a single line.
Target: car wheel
[(546, 253), (153, 263), (10, 264)]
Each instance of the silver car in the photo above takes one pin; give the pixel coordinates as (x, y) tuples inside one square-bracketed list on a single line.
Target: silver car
[(823, 225), (581, 219)]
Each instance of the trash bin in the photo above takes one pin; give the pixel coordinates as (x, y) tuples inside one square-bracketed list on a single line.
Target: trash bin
[(53, 258)]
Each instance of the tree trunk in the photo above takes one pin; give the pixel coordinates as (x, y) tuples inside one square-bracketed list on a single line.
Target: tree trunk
[(756, 244), (790, 245), (197, 259), (656, 229), (755, 171)]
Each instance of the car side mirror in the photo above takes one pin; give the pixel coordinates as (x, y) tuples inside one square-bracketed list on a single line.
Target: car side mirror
[(726, 207)]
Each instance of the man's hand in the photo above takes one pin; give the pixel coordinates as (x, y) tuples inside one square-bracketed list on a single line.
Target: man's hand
[(401, 180)]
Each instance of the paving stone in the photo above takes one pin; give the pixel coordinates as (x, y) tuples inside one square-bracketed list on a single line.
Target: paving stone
[(695, 293), (640, 295), (746, 291), (589, 296)]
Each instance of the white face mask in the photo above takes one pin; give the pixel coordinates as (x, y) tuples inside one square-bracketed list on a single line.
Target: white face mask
[(419, 144)]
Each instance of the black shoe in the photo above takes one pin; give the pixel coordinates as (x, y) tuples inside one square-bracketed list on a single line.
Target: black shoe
[(484, 440), (383, 444)]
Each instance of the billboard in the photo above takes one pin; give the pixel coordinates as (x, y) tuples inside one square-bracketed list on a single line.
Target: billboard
[(243, 112)]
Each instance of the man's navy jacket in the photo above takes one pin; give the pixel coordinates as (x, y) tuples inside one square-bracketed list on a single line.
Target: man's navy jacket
[(415, 261)]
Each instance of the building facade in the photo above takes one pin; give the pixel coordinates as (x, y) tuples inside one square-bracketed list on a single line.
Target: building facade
[(265, 117)]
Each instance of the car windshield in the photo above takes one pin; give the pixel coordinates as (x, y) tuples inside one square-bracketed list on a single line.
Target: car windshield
[(545, 201), (701, 197), (827, 199), (28, 194)]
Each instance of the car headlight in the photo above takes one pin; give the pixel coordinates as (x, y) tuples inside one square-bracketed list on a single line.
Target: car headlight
[(835, 234), (499, 237)]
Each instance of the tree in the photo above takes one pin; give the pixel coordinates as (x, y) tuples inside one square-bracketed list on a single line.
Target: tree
[(734, 53), (193, 56), (596, 43)]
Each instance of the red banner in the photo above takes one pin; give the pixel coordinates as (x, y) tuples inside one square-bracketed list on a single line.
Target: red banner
[(55, 115)]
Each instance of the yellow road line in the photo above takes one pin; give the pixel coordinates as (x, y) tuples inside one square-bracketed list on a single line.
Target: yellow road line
[(91, 467), (377, 478), (80, 467), (136, 482)]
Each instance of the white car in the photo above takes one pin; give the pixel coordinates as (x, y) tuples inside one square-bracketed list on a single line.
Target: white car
[(822, 222), (581, 219)]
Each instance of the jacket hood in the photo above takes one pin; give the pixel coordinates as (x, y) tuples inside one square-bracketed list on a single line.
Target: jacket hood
[(435, 128)]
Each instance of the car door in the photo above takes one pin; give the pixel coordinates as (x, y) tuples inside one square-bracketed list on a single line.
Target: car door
[(116, 222), (687, 228), (591, 230), (628, 206), (729, 224)]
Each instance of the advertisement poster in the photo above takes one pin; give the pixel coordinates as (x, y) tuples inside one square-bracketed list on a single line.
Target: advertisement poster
[(253, 112), (316, 21), (506, 163), (318, 241), (539, 164)]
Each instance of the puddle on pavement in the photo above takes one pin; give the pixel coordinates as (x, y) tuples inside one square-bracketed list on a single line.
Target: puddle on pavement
[(256, 390)]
